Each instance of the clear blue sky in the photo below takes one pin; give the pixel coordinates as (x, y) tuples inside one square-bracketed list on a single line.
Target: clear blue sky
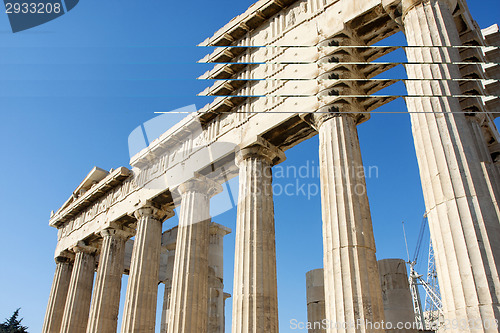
[(73, 89)]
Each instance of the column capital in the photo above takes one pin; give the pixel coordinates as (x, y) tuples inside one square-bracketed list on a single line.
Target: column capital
[(316, 120), (117, 233), (84, 248), (408, 5), (200, 184), (478, 117), (64, 259), (151, 210), (260, 148)]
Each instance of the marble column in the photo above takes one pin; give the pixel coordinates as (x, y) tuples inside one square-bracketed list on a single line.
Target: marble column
[(106, 297), (188, 311), (76, 310), (352, 285), (490, 170), (216, 300), (255, 301), (170, 247), (463, 219), (315, 290), (396, 295), (139, 313), (58, 293)]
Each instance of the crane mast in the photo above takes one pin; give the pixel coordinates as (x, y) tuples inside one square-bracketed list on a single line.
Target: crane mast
[(433, 306), (427, 317)]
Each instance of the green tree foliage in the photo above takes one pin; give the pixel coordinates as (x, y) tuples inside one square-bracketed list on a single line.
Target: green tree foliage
[(13, 325)]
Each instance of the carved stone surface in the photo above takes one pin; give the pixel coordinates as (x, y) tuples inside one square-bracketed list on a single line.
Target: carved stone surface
[(398, 304), (106, 296), (459, 177), (140, 304), (255, 300), (57, 298), (464, 223), (315, 287), (188, 310), (352, 288), (216, 298), (76, 310), (187, 147), (167, 295)]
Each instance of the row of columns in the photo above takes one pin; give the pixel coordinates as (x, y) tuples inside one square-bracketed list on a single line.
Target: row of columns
[(351, 292), (349, 248), (70, 309), (459, 180), (462, 210)]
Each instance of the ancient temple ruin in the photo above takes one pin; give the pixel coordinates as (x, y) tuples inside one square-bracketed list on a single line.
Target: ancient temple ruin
[(285, 71)]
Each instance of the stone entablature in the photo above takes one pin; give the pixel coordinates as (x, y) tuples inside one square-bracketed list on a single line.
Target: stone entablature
[(84, 196)]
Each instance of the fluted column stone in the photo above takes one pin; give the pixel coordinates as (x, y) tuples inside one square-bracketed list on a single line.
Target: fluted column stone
[(139, 312), (255, 300), (106, 296), (188, 311), (167, 295), (58, 294), (216, 300), (461, 209), (315, 291), (490, 170), (352, 286), (76, 310)]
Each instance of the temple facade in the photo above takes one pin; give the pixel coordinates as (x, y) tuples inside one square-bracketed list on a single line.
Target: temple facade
[(285, 71)]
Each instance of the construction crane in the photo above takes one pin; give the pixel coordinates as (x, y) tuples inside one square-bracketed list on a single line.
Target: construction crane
[(433, 306), (425, 318)]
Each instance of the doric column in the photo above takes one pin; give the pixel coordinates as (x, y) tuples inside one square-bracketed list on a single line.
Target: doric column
[(188, 311), (490, 170), (171, 239), (216, 300), (398, 304), (58, 293), (315, 291), (76, 310), (106, 297), (352, 285), (255, 300), (139, 312), (461, 209)]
